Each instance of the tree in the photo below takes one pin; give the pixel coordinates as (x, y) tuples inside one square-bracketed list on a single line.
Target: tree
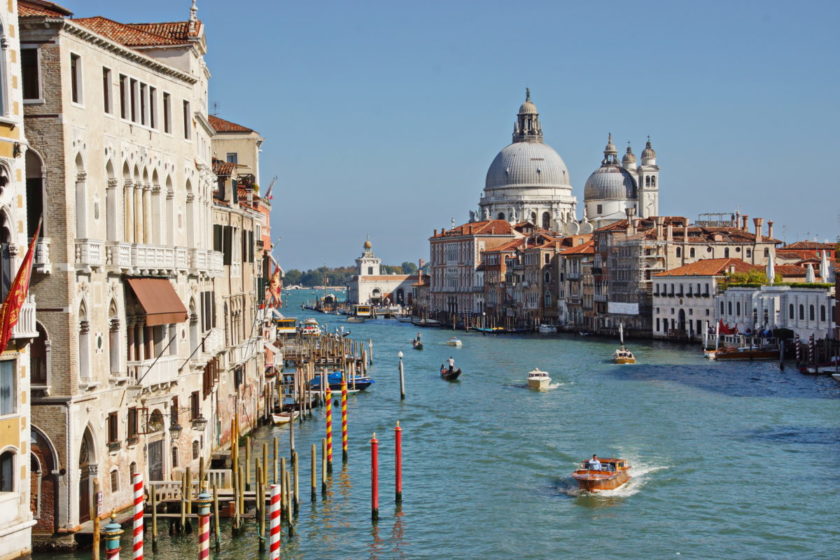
[(409, 267)]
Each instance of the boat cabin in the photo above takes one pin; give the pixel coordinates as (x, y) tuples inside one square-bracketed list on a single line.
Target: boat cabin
[(286, 326), (607, 465), (362, 310)]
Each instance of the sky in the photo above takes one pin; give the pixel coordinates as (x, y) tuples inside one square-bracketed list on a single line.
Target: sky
[(381, 118)]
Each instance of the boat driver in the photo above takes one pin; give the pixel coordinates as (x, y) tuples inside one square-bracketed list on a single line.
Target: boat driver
[(594, 463), (451, 363)]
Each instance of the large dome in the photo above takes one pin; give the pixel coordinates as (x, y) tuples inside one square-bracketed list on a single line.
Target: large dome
[(524, 164), (610, 182)]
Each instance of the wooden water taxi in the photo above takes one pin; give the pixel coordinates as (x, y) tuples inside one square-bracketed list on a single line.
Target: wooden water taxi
[(611, 474), (538, 379), (744, 353)]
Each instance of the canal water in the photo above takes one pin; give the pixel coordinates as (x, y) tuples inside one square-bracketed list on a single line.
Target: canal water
[(730, 460)]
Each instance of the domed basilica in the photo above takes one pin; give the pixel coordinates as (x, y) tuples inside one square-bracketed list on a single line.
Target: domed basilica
[(529, 181)]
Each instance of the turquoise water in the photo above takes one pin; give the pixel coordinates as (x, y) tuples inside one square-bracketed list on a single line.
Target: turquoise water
[(730, 460)]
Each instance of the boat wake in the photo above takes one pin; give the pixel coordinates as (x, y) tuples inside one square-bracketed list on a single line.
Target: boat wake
[(550, 387)]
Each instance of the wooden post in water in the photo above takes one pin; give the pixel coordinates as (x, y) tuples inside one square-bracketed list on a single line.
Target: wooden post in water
[(247, 463), (94, 503), (324, 467), (183, 526), (216, 532), (201, 472), (288, 481), (295, 477), (260, 497), (236, 510), (153, 496), (274, 461), (188, 502), (242, 491), (284, 489), (313, 475), (264, 479)]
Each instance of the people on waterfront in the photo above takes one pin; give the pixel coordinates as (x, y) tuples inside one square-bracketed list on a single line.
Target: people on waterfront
[(594, 463)]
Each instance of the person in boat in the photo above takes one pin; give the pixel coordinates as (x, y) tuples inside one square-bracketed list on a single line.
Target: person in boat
[(451, 364), (594, 464)]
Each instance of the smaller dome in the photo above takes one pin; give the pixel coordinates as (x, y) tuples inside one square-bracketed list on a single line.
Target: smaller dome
[(649, 152), (368, 244), (610, 182), (629, 160), (528, 108), (610, 148)]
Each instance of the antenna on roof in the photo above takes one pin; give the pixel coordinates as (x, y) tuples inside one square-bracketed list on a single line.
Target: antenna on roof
[(215, 109)]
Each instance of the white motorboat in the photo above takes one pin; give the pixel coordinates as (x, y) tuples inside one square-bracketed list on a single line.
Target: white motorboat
[(538, 379), (284, 417), (547, 329), (310, 328), (455, 341)]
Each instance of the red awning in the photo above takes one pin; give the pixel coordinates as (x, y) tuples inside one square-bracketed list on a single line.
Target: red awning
[(159, 300)]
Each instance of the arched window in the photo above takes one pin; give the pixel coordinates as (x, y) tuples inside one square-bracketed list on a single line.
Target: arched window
[(653, 181), (822, 312), (721, 308), (811, 313), (766, 251), (501, 216), (81, 199), (38, 357), (195, 449), (647, 181), (112, 204), (7, 471), (790, 311), (691, 252), (191, 203), (128, 205), (726, 253), (738, 309), (155, 421), (546, 220), (730, 308), (170, 213), (35, 194), (7, 263), (801, 312), (679, 252), (114, 338), (84, 343)]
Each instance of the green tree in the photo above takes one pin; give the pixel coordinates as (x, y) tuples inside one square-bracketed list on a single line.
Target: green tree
[(409, 267)]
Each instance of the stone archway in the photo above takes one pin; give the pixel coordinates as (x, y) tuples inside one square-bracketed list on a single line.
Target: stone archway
[(44, 494), (87, 471)]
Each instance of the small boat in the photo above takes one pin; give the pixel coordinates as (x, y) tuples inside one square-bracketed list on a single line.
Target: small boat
[(416, 344), (455, 341), (744, 353), (279, 418), (538, 379), (450, 374), (354, 384), (310, 327), (584, 333), (354, 319), (547, 329), (612, 474), (622, 355)]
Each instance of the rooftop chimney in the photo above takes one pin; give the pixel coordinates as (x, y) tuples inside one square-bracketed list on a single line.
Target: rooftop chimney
[(745, 220), (759, 222), (770, 229)]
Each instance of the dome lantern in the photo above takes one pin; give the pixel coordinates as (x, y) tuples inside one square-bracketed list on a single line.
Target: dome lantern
[(629, 159), (527, 127), (649, 154)]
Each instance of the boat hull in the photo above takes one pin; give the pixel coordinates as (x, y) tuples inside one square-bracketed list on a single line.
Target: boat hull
[(747, 355), (539, 384), (596, 481), (450, 375), (284, 418)]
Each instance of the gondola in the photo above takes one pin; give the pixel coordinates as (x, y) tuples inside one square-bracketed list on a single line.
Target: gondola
[(416, 344), (450, 374)]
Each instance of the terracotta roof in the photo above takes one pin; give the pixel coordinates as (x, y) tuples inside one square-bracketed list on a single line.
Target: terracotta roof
[(792, 271), (587, 248), (809, 245), (223, 168), (30, 8), (511, 245), (711, 267), (401, 277), (487, 227), (139, 34), (221, 125)]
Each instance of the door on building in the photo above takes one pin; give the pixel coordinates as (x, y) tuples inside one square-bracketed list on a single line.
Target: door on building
[(681, 321), (156, 460), (86, 465)]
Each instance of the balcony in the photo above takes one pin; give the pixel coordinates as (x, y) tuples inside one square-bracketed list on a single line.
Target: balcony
[(25, 327), (198, 260), (42, 262), (89, 254), (165, 370), (119, 255), (152, 258)]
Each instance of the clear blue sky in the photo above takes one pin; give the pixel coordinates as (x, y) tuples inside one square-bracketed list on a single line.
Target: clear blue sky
[(381, 118)]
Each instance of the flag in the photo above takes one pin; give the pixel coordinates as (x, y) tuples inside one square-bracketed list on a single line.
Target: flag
[(10, 311), (723, 329)]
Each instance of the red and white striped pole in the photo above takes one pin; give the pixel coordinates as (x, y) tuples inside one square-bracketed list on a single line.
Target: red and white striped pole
[(203, 502), (398, 461), (374, 478), (138, 517), (274, 524)]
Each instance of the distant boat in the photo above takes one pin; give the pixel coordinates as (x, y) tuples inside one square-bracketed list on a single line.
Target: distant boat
[(455, 341), (310, 327), (354, 319), (538, 379), (450, 374), (612, 474), (279, 418), (547, 329), (416, 344), (354, 384), (622, 355)]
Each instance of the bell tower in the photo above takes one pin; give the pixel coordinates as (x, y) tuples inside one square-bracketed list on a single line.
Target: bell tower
[(368, 264), (648, 183)]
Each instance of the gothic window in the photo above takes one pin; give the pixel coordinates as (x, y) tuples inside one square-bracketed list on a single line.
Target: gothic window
[(647, 181), (653, 181), (822, 312), (790, 311), (801, 312), (38, 356), (726, 253), (811, 313), (7, 471), (546, 220)]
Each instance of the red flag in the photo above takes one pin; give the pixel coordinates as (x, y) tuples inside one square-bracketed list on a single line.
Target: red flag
[(727, 330), (10, 312)]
